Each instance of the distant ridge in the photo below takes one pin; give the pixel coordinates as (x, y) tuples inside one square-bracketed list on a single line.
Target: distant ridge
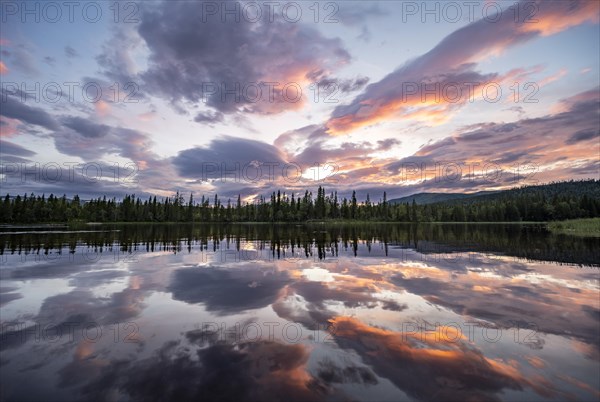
[(432, 198), (565, 188)]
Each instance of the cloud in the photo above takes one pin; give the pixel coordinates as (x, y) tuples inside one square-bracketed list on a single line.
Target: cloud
[(507, 299), (555, 147), (311, 144), (354, 286), (356, 14), (462, 372), (118, 56), (453, 61), (22, 60), (120, 307), (199, 62), (523, 137), (583, 135), (351, 294), (561, 145), (329, 86), (208, 117), (82, 139), (14, 109), (70, 52), (255, 371), (331, 373), (90, 279), (8, 148), (228, 291), (51, 61), (86, 128), (352, 14), (91, 179), (228, 152), (128, 90), (430, 98), (8, 295), (355, 355), (183, 54)]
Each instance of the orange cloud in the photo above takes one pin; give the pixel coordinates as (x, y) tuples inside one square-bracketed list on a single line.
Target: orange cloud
[(461, 370), (9, 126), (147, 116), (581, 385), (550, 17), (559, 146), (453, 61), (535, 362), (102, 108), (554, 77)]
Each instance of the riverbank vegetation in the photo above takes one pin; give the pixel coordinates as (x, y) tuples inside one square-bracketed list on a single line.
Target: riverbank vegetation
[(577, 227)]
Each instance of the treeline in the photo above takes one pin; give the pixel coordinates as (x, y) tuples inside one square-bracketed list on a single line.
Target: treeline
[(539, 204)]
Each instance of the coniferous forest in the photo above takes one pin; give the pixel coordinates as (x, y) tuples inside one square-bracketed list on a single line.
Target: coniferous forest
[(555, 201)]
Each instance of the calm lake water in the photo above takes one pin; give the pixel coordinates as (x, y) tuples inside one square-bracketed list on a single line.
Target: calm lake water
[(298, 312)]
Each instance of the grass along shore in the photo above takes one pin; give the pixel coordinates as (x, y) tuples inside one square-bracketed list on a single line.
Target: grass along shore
[(588, 227)]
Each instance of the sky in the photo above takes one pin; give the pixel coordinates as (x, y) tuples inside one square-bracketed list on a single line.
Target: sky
[(223, 97)]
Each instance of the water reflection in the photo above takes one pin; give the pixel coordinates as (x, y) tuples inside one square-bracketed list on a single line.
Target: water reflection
[(523, 241), (314, 312)]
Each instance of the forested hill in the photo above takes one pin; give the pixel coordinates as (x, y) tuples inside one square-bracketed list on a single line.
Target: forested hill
[(573, 188), (555, 201), (431, 198)]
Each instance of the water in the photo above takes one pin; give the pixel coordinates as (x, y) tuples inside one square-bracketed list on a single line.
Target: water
[(298, 312)]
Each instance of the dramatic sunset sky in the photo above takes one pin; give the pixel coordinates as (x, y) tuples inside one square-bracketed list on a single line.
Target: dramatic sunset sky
[(383, 96)]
